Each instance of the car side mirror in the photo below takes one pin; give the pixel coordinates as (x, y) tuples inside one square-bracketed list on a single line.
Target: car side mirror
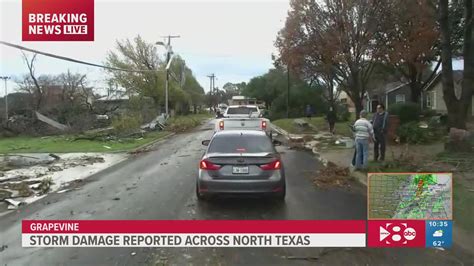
[(276, 142), (205, 142)]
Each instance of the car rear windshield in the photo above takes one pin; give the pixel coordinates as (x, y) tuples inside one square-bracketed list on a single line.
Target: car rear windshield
[(241, 110), (241, 144)]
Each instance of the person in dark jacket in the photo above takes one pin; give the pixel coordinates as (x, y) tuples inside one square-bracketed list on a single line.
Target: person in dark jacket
[(331, 118), (380, 124), (309, 111)]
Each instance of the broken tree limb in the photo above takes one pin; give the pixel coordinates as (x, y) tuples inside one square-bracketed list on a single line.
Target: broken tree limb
[(51, 122)]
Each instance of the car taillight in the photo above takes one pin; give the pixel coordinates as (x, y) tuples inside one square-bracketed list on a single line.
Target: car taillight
[(221, 125), (206, 165), (275, 165), (264, 125)]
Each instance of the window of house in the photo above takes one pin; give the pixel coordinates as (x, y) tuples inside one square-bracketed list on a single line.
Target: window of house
[(400, 98), (429, 100)]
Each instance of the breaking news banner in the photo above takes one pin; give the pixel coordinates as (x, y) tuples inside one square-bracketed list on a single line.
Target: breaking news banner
[(58, 20), (194, 233)]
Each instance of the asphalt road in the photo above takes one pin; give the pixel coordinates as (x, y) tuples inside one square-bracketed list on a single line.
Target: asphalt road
[(160, 184)]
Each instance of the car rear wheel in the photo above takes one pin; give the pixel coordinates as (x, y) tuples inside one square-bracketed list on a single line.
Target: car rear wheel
[(200, 196), (280, 196)]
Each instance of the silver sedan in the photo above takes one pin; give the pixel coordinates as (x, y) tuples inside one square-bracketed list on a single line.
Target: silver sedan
[(241, 162)]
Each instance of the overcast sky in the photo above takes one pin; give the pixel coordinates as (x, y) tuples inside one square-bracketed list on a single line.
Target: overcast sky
[(233, 39)]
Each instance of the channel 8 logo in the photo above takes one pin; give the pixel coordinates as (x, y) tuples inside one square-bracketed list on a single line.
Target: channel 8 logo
[(397, 233)]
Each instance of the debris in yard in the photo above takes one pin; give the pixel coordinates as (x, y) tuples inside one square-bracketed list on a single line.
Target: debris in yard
[(107, 147), (56, 157), (51, 122), (323, 136), (45, 185), (332, 175), (4, 194), (54, 168), (423, 125), (24, 160), (13, 204), (24, 190)]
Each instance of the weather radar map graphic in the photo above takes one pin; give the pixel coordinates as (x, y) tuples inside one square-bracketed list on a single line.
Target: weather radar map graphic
[(410, 196)]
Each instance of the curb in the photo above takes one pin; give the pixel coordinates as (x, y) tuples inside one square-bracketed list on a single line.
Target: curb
[(280, 131), (150, 143), (360, 177)]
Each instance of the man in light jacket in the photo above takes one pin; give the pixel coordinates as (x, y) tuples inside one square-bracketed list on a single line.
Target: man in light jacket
[(364, 133)]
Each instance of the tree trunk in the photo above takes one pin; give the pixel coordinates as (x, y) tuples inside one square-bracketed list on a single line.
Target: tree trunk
[(468, 75), (454, 118), (358, 105), (415, 91)]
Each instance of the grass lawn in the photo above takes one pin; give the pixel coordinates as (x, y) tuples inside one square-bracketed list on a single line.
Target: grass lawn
[(66, 143), (342, 128), (186, 122)]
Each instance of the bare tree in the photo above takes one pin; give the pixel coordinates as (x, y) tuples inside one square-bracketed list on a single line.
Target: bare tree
[(37, 90)]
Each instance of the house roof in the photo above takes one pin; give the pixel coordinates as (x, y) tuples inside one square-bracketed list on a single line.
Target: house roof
[(457, 77), (394, 86)]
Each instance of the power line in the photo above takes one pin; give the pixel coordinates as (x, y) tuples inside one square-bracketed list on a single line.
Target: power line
[(75, 60)]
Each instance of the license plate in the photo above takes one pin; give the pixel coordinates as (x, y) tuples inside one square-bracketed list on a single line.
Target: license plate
[(240, 169)]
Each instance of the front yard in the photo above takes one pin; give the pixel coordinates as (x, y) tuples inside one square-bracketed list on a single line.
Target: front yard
[(318, 124), (67, 143)]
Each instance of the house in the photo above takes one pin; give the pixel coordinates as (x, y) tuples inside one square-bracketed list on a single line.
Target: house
[(345, 99), (433, 95), (392, 93)]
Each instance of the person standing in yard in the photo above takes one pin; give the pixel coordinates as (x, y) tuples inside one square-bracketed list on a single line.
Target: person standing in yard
[(364, 133), (331, 118), (309, 111), (380, 124)]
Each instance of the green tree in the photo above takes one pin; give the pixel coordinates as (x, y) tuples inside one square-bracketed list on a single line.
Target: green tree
[(137, 54)]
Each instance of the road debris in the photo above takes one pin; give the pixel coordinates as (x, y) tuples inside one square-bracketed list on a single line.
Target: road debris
[(332, 175), (133, 253), (308, 258)]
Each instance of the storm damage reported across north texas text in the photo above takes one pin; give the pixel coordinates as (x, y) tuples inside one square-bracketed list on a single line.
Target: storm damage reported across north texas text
[(155, 240)]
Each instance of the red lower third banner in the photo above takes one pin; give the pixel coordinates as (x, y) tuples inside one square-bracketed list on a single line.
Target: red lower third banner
[(194, 233)]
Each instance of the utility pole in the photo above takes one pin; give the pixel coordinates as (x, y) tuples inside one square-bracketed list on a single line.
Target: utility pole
[(169, 52), (211, 87), (5, 78), (288, 93)]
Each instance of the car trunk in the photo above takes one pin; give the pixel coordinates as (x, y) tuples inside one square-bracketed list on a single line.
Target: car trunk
[(243, 123), (244, 166)]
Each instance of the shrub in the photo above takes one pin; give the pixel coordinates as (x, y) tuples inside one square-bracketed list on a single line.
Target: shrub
[(428, 113), (412, 133), (126, 124), (407, 112), (343, 113)]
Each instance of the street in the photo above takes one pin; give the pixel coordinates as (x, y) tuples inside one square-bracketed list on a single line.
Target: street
[(160, 184)]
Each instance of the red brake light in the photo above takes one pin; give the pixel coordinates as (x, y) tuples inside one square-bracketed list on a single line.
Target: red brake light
[(264, 124), (275, 165), (221, 125), (206, 165)]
